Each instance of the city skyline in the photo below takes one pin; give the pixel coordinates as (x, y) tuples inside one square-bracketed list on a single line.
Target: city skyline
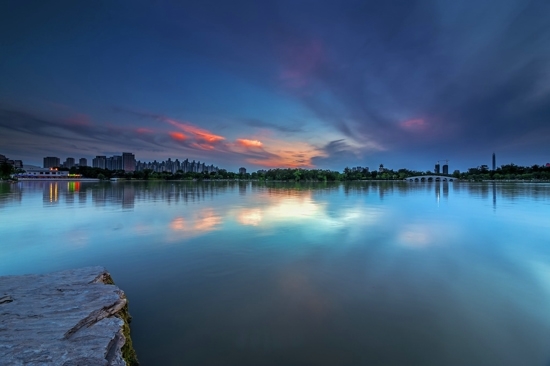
[(278, 84), (119, 162)]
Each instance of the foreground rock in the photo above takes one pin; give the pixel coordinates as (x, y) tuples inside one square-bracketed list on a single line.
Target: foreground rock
[(74, 317)]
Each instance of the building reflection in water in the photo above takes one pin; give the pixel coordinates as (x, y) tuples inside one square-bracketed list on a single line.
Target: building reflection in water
[(51, 193), (286, 198), (128, 196), (494, 186), (10, 193)]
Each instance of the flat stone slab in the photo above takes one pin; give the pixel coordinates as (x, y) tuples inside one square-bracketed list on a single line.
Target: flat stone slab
[(73, 317)]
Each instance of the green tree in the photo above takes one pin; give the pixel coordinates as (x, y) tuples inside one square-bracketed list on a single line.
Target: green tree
[(6, 170)]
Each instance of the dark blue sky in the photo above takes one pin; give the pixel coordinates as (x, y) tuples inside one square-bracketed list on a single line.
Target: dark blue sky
[(323, 84)]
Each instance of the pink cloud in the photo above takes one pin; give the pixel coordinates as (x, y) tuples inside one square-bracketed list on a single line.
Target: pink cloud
[(414, 124)]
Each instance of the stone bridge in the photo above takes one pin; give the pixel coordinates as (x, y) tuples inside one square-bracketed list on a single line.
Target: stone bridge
[(430, 178)]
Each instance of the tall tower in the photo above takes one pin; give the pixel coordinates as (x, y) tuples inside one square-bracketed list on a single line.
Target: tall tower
[(436, 170), (494, 162), (446, 167)]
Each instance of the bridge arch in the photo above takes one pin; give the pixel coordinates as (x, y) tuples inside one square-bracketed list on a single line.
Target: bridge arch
[(430, 178)]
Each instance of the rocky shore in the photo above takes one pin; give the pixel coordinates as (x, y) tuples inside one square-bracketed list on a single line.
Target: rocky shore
[(73, 317)]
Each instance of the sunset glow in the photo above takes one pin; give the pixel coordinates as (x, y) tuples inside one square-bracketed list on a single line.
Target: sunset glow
[(178, 136), (249, 143), (198, 133)]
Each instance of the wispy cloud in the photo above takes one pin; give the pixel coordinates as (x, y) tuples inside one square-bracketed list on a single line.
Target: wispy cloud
[(273, 126)]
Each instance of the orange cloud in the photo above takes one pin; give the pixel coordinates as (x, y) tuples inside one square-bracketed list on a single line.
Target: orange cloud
[(285, 154), (198, 133), (249, 143), (178, 136)]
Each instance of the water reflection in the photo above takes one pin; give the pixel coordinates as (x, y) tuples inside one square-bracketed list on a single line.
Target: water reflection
[(250, 216), (494, 186), (200, 222), (352, 273)]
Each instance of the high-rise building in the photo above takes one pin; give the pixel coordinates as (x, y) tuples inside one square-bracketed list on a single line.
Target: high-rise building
[(69, 163), (3, 159), (445, 168), (114, 163), (128, 162), (436, 169), (51, 162), (494, 162), (242, 170), (99, 161), (83, 162)]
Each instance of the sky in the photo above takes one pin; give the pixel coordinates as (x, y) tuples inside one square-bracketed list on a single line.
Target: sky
[(278, 84)]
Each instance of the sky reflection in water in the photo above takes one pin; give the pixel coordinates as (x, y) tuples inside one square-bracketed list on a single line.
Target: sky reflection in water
[(248, 274)]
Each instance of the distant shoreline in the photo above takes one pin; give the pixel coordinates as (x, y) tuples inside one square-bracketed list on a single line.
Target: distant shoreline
[(267, 181), (57, 180)]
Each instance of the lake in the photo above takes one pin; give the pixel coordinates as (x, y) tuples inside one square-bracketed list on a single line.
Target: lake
[(232, 273)]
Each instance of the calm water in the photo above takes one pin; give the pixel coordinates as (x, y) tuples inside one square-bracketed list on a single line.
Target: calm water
[(252, 274)]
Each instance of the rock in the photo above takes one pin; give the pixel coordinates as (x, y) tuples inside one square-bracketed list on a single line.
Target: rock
[(74, 317)]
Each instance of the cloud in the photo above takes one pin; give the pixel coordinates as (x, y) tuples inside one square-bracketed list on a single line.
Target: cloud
[(414, 124), (271, 153), (300, 62), (478, 75), (249, 143), (273, 126), (178, 136), (198, 133)]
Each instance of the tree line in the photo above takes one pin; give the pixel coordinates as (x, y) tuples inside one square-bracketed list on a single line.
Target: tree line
[(480, 173)]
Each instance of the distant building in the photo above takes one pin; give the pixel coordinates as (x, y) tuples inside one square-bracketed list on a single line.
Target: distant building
[(69, 163), (43, 173), (436, 169), (446, 167), (83, 162), (99, 161), (51, 162), (114, 163), (173, 166), (128, 162), (242, 170), (18, 164), (381, 168), (494, 162)]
